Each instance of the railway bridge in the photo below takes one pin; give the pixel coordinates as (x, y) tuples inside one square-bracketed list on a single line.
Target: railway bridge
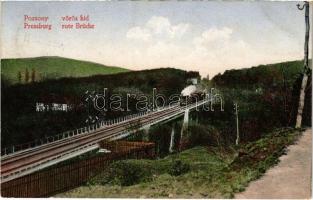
[(20, 162)]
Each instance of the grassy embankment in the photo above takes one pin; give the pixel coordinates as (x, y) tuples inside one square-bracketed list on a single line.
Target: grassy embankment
[(51, 68), (210, 173)]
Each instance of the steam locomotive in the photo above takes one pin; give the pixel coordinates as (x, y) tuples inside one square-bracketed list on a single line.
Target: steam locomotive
[(191, 94)]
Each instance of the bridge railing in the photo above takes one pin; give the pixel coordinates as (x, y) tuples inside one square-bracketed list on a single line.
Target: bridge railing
[(84, 130)]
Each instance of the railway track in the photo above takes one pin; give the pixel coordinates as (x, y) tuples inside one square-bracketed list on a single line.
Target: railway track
[(20, 162), (75, 138)]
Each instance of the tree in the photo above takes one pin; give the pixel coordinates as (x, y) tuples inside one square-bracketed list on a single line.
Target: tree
[(237, 124), (33, 77), (19, 77), (26, 76), (306, 65)]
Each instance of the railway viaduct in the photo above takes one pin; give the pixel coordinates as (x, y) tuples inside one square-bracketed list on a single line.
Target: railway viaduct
[(17, 163)]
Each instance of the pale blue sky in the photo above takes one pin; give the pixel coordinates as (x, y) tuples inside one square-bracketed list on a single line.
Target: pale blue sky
[(205, 36)]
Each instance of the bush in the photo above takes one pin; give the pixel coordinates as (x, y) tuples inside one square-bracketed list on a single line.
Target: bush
[(126, 173), (203, 135), (179, 168)]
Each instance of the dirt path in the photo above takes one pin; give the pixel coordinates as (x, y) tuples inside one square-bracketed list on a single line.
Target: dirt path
[(290, 179)]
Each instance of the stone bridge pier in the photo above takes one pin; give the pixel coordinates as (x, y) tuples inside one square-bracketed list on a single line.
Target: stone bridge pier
[(171, 148), (146, 130), (184, 127)]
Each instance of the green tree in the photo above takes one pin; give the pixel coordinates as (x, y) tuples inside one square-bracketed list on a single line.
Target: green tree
[(19, 77), (26, 76), (33, 76)]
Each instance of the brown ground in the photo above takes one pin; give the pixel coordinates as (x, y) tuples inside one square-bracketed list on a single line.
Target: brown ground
[(290, 179)]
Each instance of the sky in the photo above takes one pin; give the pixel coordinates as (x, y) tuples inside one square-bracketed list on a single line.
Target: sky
[(209, 37)]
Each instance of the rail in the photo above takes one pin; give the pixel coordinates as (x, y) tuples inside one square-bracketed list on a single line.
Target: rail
[(84, 130)]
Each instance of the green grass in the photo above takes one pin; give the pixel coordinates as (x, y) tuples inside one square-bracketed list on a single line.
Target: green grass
[(52, 68), (212, 174)]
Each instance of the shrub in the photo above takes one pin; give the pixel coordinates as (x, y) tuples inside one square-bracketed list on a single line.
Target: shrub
[(203, 135), (179, 168), (128, 173)]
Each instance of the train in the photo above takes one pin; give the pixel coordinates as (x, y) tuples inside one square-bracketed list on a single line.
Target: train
[(191, 94)]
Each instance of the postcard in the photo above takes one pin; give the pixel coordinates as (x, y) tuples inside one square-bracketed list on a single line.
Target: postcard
[(156, 99)]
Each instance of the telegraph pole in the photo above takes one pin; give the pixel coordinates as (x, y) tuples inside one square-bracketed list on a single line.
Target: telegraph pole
[(306, 64), (237, 124)]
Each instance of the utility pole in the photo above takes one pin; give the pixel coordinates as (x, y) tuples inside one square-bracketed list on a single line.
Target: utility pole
[(306, 64), (237, 124)]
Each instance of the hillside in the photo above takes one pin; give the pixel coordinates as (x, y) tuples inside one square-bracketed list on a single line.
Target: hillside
[(202, 172), (43, 68), (267, 96), (260, 76)]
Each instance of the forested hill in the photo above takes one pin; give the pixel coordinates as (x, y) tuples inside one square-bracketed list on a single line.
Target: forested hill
[(267, 95), (260, 76), (26, 70)]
